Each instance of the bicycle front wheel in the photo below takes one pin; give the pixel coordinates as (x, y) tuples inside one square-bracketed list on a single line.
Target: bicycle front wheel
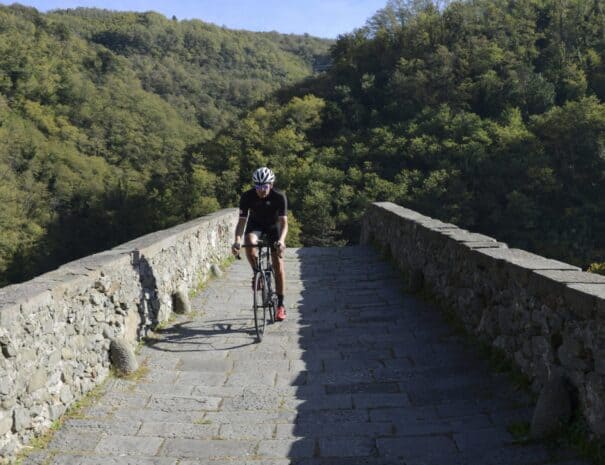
[(271, 296), (260, 307)]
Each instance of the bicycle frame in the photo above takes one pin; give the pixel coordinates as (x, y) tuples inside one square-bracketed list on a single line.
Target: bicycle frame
[(264, 297)]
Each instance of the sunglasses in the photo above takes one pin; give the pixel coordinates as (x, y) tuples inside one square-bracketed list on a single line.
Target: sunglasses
[(262, 187)]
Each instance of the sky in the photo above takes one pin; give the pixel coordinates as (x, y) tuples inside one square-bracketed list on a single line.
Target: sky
[(321, 18)]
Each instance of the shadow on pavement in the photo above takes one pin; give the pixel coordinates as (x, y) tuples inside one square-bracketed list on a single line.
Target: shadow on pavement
[(384, 380), (181, 337)]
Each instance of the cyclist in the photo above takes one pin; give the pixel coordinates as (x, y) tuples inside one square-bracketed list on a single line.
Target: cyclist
[(266, 211)]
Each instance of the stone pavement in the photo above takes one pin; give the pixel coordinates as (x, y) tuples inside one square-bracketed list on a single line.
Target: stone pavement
[(360, 373)]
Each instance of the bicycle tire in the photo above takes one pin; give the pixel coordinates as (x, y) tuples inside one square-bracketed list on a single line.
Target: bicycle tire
[(273, 307), (260, 307), (272, 297)]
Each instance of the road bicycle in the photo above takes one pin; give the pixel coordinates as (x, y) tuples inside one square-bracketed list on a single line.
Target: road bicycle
[(264, 298)]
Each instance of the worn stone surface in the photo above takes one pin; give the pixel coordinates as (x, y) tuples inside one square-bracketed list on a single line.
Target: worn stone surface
[(56, 330), (543, 314), (379, 379)]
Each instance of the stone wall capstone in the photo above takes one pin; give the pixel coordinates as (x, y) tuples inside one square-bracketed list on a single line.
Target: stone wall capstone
[(56, 330), (546, 316)]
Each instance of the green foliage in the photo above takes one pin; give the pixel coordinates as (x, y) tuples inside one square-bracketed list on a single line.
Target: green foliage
[(488, 114), (99, 112), (598, 268)]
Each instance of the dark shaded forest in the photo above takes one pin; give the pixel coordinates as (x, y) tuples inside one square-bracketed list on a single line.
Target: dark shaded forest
[(485, 113)]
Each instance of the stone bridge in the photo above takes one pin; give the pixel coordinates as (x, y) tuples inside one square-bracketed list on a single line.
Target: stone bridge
[(363, 371)]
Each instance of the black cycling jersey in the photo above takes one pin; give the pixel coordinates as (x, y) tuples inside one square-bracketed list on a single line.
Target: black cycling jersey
[(263, 212)]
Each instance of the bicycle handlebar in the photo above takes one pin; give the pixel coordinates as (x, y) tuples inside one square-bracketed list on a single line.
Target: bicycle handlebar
[(260, 244)]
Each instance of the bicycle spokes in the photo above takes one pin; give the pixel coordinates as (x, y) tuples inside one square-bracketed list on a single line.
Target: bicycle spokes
[(264, 298), (260, 306)]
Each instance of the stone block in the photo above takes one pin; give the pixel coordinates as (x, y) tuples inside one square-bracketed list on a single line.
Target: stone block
[(599, 361), (293, 448), (66, 395), (416, 280), (67, 354), (199, 448), (129, 445), (55, 411), (170, 403), (582, 298), (570, 277), (132, 324), (74, 441), (594, 403), (380, 208), (425, 447), (545, 283), (180, 302), (246, 431), (122, 356), (553, 409), (21, 417), (462, 235), (338, 447), (6, 385), (481, 439), (9, 315), (6, 422), (10, 447), (571, 354), (216, 271), (37, 380), (527, 260), (97, 265), (541, 345), (8, 349)]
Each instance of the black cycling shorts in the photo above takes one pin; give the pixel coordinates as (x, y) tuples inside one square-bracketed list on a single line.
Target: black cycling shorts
[(272, 231)]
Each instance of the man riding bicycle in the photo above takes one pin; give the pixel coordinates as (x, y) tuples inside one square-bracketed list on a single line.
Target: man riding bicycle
[(266, 211)]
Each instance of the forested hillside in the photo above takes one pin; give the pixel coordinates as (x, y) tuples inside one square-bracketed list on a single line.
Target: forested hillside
[(98, 111), (485, 113)]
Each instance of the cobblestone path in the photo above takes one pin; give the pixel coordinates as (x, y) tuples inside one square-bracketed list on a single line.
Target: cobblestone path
[(359, 373)]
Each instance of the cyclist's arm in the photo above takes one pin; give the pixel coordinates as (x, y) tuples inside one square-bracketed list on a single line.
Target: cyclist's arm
[(283, 220), (239, 229), (244, 210), (283, 227)]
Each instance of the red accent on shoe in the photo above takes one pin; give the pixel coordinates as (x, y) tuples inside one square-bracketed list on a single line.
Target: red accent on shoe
[(281, 313)]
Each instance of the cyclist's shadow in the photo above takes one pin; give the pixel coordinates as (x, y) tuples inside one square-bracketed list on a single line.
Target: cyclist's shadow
[(190, 336)]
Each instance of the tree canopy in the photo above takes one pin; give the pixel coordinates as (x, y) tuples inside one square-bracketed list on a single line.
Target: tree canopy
[(488, 114), (98, 111), (485, 113)]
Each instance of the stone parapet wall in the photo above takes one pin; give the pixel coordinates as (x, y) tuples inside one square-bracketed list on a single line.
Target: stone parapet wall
[(548, 317), (55, 330)]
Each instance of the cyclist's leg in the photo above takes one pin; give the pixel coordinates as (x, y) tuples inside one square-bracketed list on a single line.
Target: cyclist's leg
[(280, 273), (251, 234), (278, 263)]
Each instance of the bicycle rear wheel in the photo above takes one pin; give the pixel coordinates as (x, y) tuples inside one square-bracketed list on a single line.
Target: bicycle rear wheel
[(260, 307)]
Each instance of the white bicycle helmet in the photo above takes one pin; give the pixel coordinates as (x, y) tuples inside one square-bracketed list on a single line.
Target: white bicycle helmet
[(263, 176)]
